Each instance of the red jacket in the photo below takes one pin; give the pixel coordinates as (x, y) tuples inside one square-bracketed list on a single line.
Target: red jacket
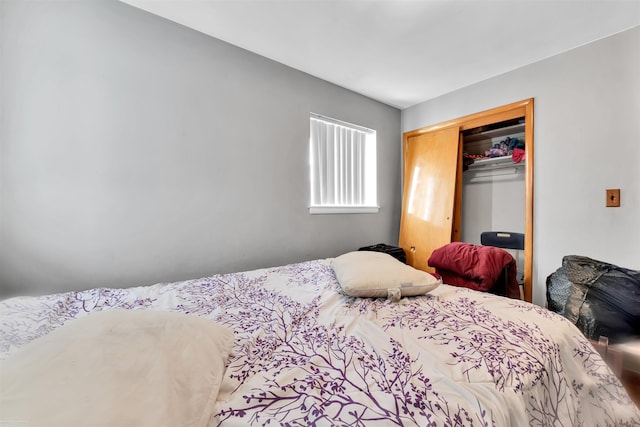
[(474, 267)]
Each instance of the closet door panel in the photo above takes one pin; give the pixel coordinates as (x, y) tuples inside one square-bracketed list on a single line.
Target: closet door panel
[(430, 169)]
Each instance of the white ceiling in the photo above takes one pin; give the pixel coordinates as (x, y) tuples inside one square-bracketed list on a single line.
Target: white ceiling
[(402, 52)]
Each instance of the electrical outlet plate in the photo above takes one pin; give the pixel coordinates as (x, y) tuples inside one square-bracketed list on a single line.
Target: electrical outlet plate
[(613, 198)]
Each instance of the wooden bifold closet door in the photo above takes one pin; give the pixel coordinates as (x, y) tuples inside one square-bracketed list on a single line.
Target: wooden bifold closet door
[(430, 161)]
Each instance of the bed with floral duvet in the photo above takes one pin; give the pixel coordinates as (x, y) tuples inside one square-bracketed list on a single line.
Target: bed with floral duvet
[(300, 352)]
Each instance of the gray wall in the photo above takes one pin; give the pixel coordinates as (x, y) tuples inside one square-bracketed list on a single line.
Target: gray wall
[(134, 150), (587, 139)]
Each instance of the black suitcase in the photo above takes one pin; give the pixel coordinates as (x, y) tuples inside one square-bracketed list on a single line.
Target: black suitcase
[(394, 251)]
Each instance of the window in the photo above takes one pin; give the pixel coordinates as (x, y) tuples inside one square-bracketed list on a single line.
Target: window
[(342, 157)]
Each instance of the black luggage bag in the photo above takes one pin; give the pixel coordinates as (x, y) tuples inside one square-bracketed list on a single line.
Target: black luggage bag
[(601, 299), (394, 251)]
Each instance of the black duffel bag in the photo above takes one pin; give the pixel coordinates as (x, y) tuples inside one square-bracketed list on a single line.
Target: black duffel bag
[(601, 299), (395, 251)]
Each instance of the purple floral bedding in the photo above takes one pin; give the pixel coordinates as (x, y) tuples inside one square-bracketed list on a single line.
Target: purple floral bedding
[(305, 354)]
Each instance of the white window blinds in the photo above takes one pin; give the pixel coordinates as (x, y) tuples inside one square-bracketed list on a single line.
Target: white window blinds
[(343, 167)]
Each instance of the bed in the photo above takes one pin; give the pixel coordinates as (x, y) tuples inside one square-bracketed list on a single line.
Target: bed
[(304, 353)]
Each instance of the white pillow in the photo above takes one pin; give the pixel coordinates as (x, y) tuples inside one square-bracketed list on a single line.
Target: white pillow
[(377, 275), (118, 368)]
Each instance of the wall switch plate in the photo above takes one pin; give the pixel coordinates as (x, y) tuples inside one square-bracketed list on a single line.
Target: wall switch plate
[(613, 198)]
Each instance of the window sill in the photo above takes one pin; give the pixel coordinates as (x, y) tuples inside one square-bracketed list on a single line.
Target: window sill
[(315, 210)]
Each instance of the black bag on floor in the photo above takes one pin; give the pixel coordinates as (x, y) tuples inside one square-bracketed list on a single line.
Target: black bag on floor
[(394, 251), (601, 299)]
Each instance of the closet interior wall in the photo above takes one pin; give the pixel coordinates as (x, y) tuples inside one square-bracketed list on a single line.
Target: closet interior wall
[(493, 188)]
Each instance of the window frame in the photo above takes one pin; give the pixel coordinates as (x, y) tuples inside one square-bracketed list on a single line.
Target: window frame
[(370, 203)]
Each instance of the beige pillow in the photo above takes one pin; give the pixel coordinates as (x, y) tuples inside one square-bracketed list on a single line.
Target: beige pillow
[(377, 275), (118, 368)]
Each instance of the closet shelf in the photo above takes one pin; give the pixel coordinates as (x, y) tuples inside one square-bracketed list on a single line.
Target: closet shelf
[(474, 135), (494, 163)]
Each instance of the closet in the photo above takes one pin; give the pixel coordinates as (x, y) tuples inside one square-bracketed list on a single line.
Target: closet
[(441, 188)]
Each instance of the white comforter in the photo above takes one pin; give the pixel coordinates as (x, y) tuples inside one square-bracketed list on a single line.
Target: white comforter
[(305, 354)]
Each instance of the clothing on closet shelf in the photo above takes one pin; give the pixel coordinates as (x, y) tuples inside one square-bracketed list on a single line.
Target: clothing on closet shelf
[(513, 147), (504, 147), (518, 155)]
